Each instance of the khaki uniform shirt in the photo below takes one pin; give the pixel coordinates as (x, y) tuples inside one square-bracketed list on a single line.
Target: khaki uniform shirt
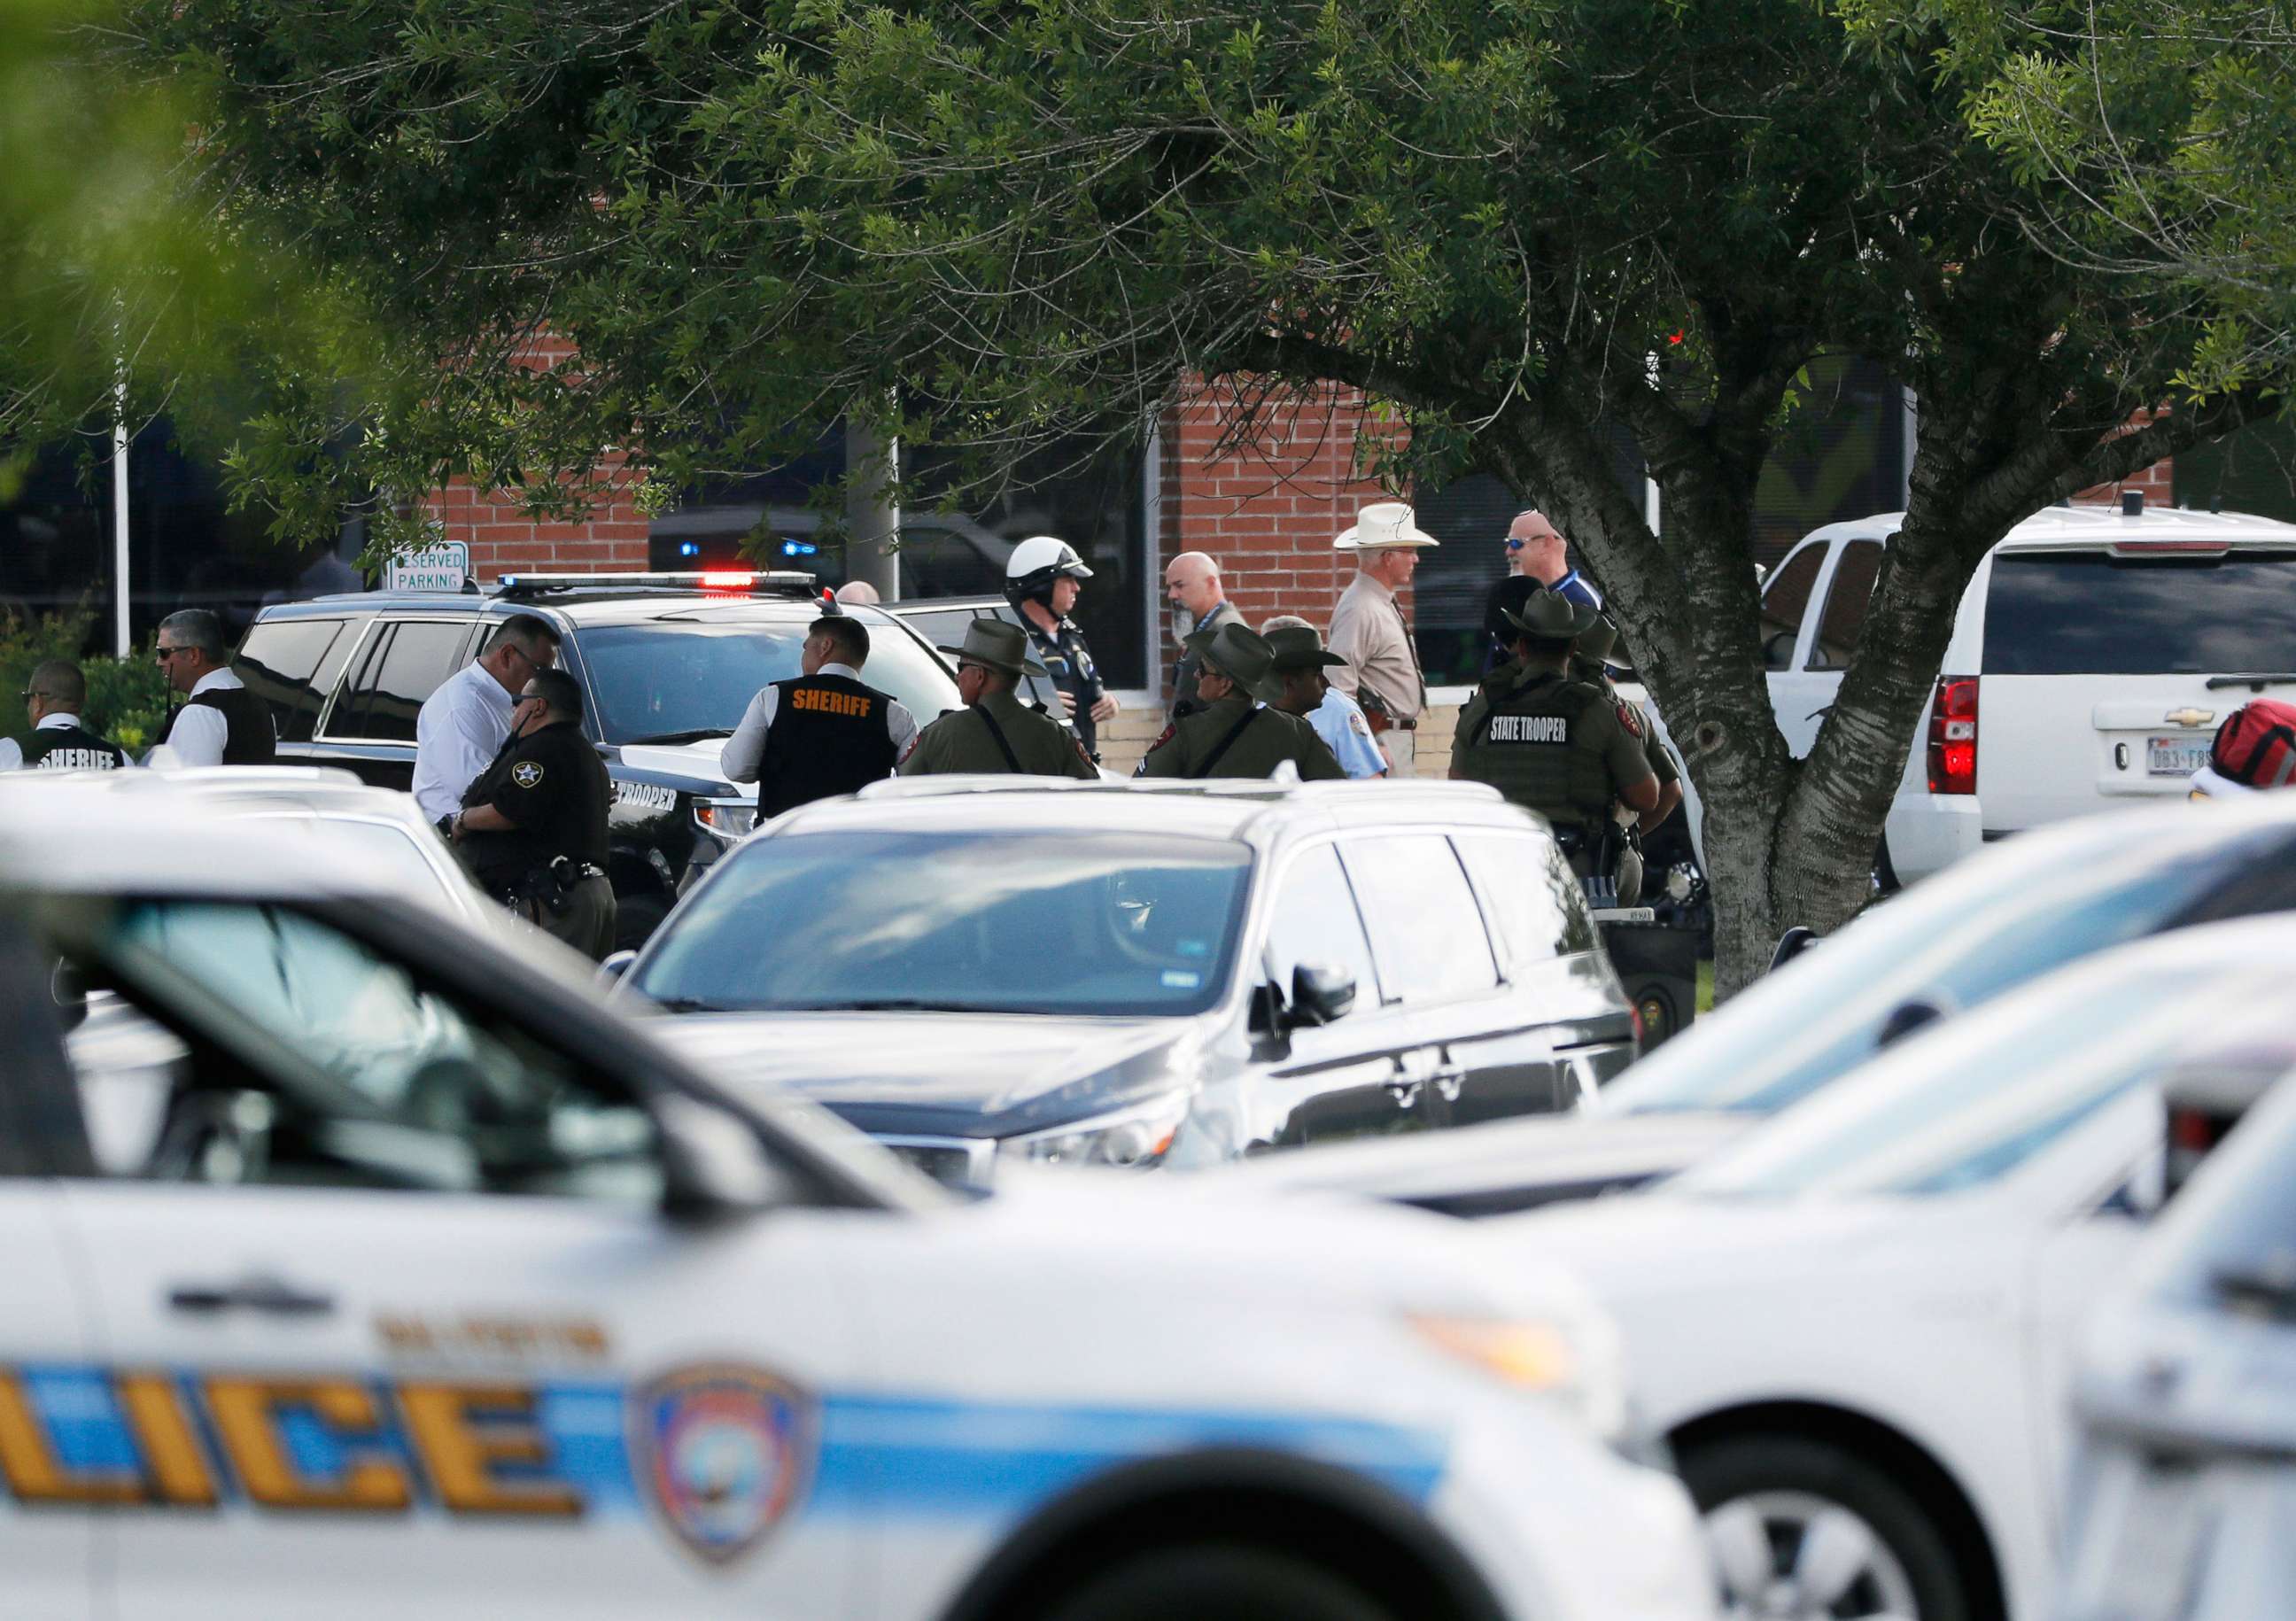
[(1268, 738), (960, 741), (1367, 631)]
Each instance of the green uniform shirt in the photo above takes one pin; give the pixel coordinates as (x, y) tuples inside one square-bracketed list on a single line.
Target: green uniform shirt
[(1268, 738), (962, 742), (1654, 750), (1552, 745)]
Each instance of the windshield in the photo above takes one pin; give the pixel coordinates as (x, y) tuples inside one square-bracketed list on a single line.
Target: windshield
[(2088, 613), (683, 679), (1982, 928), (1968, 1103), (1125, 925)]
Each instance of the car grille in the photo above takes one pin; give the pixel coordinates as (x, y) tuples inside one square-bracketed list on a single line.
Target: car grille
[(953, 1160)]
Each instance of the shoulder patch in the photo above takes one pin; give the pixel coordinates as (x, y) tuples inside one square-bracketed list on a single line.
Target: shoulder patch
[(526, 774), (1628, 718), (1171, 729), (1356, 722)]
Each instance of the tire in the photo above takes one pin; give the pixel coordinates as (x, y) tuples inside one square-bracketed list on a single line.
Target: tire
[(1760, 1497), (1885, 871), (636, 917), (1216, 1582)]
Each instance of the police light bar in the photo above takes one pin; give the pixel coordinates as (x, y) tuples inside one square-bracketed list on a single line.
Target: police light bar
[(788, 581)]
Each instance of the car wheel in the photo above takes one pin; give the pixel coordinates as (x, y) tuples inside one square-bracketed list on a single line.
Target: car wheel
[(1800, 1530), (636, 917), (1215, 1582), (1885, 871)]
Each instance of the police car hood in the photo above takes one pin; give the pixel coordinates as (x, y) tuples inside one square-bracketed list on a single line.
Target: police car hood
[(968, 1075), (695, 761)]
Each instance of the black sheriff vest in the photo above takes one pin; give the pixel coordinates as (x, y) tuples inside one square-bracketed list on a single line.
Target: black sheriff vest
[(72, 747), (247, 739), (829, 736)]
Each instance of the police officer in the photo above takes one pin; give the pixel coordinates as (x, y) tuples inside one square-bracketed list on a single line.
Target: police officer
[(533, 825), (1549, 743), (825, 732), (222, 724), (996, 731), (1590, 663), (1042, 581), (1229, 736), (54, 699)]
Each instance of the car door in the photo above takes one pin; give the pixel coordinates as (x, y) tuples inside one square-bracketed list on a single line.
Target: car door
[(397, 1325), (1484, 1054), (1798, 697), (1365, 1073), (54, 1484), (370, 726)]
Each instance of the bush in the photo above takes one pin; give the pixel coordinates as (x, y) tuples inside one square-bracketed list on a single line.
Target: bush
[(127, 697)]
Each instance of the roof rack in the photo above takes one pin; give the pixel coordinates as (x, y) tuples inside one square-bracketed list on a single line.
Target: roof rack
[(735, 582)]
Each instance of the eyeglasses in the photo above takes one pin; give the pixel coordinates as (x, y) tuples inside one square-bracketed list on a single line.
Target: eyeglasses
[(527, 697), (162, 654)]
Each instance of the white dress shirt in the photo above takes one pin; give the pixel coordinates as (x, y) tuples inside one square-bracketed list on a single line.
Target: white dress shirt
[(744, 753), (457, 733), (200, 732), (11, 753)]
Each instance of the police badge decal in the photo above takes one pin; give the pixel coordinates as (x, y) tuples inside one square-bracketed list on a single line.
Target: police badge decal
[(725, 1453), (526, 774)]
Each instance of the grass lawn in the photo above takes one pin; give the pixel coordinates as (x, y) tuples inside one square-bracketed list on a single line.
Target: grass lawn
[(1706, 985)]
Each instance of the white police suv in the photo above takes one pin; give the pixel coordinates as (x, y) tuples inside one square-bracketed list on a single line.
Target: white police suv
[(440, 1291)]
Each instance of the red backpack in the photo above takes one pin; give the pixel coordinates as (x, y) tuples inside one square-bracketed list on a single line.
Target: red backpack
[(2257, 744)]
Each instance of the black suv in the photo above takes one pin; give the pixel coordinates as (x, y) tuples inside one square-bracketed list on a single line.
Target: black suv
[(667, 665)]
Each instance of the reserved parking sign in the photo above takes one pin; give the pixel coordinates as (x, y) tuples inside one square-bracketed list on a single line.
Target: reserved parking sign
[(440, 568)]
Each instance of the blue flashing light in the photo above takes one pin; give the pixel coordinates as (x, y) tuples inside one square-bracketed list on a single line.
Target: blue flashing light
[(799, 548)]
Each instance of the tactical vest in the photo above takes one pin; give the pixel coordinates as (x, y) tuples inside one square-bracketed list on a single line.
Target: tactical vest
[(1532, 747), (248, 738), (72, 747), (828, 736)]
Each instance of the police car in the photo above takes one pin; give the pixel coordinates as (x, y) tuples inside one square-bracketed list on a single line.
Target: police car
[(443, 1290), (668, 663)]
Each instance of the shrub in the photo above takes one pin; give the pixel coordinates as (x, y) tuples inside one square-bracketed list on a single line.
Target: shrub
[(127, 697)]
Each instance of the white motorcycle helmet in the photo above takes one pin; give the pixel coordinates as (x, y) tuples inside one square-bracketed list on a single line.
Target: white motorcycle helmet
[(1035, 563)]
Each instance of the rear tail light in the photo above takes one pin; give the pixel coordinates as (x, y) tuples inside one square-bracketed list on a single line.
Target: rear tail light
[(1953, 736)]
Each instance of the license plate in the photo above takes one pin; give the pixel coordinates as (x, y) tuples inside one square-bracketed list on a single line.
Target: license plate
[(2160, 1537), (2174, 756)]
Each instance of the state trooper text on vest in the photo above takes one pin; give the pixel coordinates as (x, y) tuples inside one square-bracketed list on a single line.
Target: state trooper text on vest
[(1530, 729)]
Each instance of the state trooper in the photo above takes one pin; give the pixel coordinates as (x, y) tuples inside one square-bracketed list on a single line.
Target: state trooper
[(53, 698), (532, 828), (995, 732), (822, 733), (1042, 581), (1559, 747), (1230, 736), (1590, 663)]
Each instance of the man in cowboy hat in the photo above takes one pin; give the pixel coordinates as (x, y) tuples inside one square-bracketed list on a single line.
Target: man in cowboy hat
[(996, 731), (1300, 662), (1382, 671), (1551, 744), (1590, 659), (1229, 737)]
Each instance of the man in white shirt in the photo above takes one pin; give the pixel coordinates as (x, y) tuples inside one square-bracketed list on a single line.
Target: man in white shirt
[(825, 732), (1382, 671), (222, 722), (53, 698), (463, 724)]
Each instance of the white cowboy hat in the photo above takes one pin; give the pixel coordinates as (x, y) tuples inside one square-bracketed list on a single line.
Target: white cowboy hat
[(1381, 525)]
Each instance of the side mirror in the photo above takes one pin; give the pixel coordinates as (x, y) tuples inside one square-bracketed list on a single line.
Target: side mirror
[(713, 1165), (1791, 945), (616, 964), (1320, 994), (1908, 1016)]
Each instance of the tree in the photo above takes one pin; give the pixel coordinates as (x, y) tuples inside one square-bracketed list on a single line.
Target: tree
[(2154, 138), (1510, 224)]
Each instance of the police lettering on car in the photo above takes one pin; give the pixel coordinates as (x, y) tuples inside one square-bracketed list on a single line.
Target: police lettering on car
[(54, 699), (1559, 747), (822, 732)]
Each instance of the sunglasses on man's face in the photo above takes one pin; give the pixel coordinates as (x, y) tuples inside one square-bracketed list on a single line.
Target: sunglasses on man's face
[(165, 653)]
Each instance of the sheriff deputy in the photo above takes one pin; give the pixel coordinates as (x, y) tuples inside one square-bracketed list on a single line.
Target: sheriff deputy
[(823, 732), (53, 698), (533, 825), (1559, 747)]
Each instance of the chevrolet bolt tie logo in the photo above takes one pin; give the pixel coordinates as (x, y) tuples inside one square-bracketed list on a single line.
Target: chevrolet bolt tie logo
[(2189, 718)]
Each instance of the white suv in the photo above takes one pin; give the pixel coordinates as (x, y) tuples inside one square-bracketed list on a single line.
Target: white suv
[(2094, 654)]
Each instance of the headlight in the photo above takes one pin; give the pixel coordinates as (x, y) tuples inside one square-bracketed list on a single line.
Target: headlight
[(729, 819), (1131, 1138), (1570, 1360)]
